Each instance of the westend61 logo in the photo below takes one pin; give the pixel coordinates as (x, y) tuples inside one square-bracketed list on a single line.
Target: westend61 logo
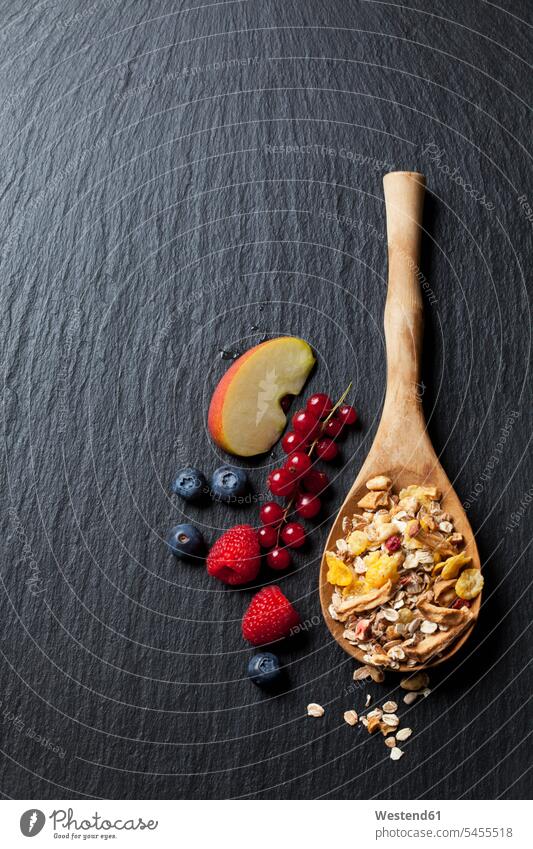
[(66, 825)]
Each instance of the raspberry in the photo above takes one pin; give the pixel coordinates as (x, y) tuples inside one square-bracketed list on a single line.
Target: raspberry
[(235, 557), (270, 616)]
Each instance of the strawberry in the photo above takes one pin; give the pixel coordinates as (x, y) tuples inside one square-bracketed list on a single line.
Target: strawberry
[(270, 616), (235, 557)]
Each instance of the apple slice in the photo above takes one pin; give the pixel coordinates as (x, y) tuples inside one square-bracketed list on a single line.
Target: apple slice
[(245, 416)]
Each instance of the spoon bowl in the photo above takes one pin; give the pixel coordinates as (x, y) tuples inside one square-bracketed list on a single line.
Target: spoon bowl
[(402, 449)]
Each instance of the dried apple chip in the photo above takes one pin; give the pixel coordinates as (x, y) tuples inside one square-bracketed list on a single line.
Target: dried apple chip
[(453, 565), (470, 584)]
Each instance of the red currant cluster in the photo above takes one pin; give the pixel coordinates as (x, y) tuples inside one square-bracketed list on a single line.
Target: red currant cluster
[(315, 430)]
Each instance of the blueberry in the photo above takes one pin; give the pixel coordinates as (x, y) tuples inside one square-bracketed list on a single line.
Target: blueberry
[(190, 484), (185, 541), (229, 483), (264, 669)]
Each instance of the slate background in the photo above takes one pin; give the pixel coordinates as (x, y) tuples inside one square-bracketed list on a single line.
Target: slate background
[(146, 225)]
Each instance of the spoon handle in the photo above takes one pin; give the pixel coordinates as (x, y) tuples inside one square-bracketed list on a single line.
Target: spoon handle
[(404, 319)]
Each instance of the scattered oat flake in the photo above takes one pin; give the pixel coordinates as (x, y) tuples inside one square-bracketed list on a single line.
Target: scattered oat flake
[(390, 742), (390, 719), (409, 698), (368, 699), (403, 734), (315, 710), (361, 672), (390, 707), (350, 716), (426, 692), (396, 754)]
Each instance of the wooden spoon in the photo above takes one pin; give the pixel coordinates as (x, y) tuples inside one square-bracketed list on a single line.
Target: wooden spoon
[(402, 449)]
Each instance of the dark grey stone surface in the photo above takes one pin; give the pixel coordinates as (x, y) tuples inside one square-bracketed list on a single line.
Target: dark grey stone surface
[(146, 224)]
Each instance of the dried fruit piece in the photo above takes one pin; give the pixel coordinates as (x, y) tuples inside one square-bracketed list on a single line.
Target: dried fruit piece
[(460, 602), (453, 565), (393, 543), (405, 616), (361, 603), (315, 710), (381, 569), (415, 682), (413, 528), (470, 584), (425, 494), (380, 482), (357, 542), (373, 500), (373, 724), (376, 674), (339, 574), (386, 530)]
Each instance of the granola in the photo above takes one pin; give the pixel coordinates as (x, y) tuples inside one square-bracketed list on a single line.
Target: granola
[(402, 579)]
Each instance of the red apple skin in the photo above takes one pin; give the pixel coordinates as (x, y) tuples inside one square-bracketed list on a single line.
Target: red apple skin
[(216, 407), (214, 416)]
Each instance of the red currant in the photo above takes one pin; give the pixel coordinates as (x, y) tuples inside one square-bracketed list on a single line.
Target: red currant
[(293, 442), (347, 414), (333, 428), (293, 535), (393, 543), (315, 481), (307, 506), (279, 558), (320, 405), (306, 423), (282, 483), (268, 536), (326, 449), (271, 514), (298, 463)]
